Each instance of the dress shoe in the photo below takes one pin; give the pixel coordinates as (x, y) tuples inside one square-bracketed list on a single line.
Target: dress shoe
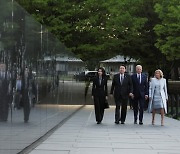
[(25, 121), (3, 120), (116, 122), (122, 122), (135, 122), (98, 122), (141, 123)]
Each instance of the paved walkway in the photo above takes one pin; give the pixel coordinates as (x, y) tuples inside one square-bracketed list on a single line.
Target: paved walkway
[(16, 135), (81, 135)]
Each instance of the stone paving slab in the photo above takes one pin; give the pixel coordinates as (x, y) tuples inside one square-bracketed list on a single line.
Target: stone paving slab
[(81, 135), (16, 135)]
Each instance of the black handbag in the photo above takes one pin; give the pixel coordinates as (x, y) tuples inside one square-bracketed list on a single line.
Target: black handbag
[(106, 105)]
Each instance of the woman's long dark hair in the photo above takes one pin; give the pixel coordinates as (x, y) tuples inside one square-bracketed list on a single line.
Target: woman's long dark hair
[(103, 72)]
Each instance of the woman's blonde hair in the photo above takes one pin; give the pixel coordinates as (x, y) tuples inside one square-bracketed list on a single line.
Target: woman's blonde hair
[(161, 73)]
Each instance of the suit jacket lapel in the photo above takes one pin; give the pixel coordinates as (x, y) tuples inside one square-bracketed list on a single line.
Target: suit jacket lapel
[(118, 78), (102, 81), (143, 78), (98, 81), (136, 78)]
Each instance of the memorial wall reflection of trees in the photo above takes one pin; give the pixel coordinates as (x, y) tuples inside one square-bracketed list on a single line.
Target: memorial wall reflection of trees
[(27, 76)]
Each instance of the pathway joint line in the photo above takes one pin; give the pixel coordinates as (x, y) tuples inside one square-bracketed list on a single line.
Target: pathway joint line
[(36, 143)]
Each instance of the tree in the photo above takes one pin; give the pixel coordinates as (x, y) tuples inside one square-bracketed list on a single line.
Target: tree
[(78, 24), (168, 41), (97, 30)]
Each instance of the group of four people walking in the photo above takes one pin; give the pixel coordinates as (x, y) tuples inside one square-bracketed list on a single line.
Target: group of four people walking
[(135, 87)]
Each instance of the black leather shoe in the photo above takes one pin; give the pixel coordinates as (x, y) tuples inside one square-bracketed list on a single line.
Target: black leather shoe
[(98, 122), (135, 122), (116, 122), (141, 123), (3, 120), (25, 121), (122, 122)]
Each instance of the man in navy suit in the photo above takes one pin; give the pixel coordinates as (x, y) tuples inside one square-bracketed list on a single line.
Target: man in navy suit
[(140, 92)]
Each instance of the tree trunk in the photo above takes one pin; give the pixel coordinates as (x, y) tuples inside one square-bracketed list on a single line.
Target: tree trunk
[(175, 70)]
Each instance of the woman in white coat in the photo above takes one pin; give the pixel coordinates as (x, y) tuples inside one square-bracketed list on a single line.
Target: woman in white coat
[(158, 96)]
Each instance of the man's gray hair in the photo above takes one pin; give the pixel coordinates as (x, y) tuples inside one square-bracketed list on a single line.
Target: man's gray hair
[(138, 66)]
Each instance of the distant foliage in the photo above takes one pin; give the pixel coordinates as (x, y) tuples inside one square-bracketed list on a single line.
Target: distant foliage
[(99, 29)]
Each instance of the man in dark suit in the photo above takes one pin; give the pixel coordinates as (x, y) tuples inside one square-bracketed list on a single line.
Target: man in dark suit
[(140, 93), (122, 88)]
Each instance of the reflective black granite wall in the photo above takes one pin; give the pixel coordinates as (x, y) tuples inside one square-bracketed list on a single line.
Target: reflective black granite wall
[(37, 85)]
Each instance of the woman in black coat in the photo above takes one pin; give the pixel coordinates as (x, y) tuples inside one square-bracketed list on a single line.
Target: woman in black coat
[(99, 94)]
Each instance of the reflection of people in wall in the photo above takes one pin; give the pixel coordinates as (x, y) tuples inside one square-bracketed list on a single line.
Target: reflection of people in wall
[(25, 93), (4, 92), (57, 80), (33, 90), (18, 91)]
